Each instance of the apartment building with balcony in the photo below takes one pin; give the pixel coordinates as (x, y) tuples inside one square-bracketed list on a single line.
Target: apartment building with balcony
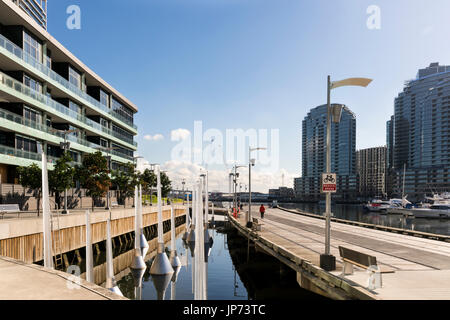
[(419, 146), (371, 168), (46, 91)]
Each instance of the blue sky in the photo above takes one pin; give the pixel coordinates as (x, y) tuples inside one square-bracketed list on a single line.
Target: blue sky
[(253, 63)]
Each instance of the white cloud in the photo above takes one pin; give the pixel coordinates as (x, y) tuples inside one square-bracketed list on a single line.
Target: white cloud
[(179, 134), (427, 30), (156, 137)]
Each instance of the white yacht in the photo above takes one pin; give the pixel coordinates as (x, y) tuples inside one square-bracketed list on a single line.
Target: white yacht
[(434, 207), (377, 205), (398, 206), (440, 211)]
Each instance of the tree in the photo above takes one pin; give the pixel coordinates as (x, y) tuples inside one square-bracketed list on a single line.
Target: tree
[(31, 177), (125, 180), (166, 184), (93, 175), (61, 178), (148, 180)]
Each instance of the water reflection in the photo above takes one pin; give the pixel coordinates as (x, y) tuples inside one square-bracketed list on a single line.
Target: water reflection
[(357, 213)]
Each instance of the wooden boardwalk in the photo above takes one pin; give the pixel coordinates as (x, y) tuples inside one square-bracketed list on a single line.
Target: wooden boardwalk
[(417, 268)]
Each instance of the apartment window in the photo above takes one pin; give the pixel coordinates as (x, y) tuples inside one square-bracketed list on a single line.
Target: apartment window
[(124, 151), (122, 132), (32, 84), (74, 77), (104, 123), (74, 107), (75, 131), (32, 46), (104, 98), (31, 115), (75, 156), (104, 143), (48, 62), (26, 144), (122, 110)]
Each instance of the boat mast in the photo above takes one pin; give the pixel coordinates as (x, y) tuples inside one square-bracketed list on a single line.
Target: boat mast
[(404, 172)]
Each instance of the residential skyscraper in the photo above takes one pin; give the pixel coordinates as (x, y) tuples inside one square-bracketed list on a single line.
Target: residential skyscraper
[(343, 154), (45, 91), (371, 168), (421, 141), (37, 9)]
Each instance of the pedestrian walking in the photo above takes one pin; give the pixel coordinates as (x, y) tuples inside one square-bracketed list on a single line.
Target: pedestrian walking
[(262, 210)]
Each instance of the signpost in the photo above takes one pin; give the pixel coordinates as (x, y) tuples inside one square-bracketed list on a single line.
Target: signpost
[(328, 183)]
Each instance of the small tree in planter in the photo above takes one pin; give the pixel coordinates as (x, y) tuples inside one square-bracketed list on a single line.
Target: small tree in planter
[(125, 180), (31, 177), (148, 181), (61, 178), (93, 175)]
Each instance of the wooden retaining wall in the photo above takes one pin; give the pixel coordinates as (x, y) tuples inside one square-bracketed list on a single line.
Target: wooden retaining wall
[(28, 247)]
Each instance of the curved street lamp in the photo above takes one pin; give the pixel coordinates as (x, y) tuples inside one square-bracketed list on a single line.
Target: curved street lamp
[(251, 162), (328, 261)]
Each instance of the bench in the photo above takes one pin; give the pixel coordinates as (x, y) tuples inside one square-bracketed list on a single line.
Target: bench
[(351, 257), (256, 225), (9, 208)]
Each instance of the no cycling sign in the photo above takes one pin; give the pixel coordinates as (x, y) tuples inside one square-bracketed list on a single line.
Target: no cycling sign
[(328, 183)]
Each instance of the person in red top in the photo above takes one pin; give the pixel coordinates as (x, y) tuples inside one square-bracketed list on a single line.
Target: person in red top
[(262, 210)]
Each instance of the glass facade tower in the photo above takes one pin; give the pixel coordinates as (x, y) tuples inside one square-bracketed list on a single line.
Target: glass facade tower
[(343, 154), (421, 128)]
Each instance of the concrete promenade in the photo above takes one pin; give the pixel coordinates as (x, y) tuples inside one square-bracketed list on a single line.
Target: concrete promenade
[(412, 267), (21, 281)]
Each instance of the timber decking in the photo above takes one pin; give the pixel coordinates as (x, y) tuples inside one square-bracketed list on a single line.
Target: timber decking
[(421, 266)]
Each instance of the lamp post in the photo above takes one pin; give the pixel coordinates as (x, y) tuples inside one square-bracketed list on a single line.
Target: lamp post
[(230, 191), (251, 163), (135, 168), (235, 177), (328, 261), (183, 182)]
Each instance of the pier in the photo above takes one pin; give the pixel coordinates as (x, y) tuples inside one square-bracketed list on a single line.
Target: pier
[(413, 266), (22, 281)]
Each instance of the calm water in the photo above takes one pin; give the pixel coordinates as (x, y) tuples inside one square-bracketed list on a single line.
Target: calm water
[(357, 213), (235, 272)]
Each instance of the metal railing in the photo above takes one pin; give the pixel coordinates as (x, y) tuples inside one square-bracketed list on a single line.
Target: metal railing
[(18, 52), (18, 86), (44, 128)]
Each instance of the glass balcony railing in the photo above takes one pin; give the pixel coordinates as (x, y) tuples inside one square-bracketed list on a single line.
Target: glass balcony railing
[(44, 128), (16, 85), (24, 154), (17, 51)]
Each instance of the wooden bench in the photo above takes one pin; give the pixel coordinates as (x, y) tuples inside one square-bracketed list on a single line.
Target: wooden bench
[(351, 257), (9, 208), (256, 225)]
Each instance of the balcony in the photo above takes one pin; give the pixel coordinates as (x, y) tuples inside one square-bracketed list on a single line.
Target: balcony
[(12, 152), (19, 87), (38, 126), (18, 52)]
